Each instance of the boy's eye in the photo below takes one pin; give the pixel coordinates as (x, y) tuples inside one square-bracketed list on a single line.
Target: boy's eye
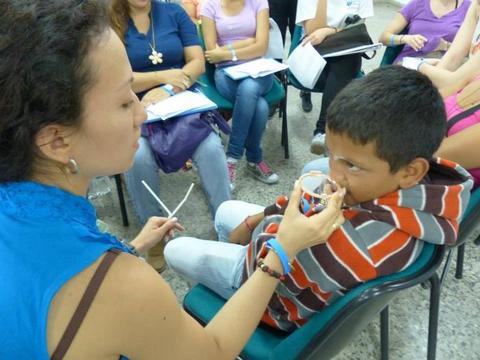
[(127, 105), (352, 167)]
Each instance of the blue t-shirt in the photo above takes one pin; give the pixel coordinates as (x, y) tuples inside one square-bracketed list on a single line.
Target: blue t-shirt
[(47, 236), (173, 30)]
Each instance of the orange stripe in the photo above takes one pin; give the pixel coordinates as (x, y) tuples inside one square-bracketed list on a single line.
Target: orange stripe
[(407, 221), (350, 256), (299, 276), (391, 243), (389, 199), (448, 163), (292, 310), (266, 318), (452, 202)]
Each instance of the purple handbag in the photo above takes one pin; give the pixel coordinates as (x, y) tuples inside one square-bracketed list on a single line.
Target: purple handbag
[(174, 141)]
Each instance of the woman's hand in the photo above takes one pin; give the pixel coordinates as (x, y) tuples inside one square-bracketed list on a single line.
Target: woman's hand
[(217, 55), (155, 230), (176, 78), (298, 232), (319, 35), (416, 42), (153, 96), (443, 45)]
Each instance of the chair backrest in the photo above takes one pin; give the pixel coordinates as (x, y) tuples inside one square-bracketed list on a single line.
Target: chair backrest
[(471, 218), (330, 330)]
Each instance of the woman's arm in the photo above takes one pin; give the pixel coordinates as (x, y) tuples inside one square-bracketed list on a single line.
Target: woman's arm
[(194, 63), (320, 19), (449, 82), (463, 147), (395, 27), (462, 42), (150, 324)]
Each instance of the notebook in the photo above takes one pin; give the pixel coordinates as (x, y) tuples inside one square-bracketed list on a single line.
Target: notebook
[(184, 103), (255, 68), (306, 64)]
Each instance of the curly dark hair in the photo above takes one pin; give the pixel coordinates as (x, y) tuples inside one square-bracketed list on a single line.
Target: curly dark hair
[(397, 108), (44, 73)]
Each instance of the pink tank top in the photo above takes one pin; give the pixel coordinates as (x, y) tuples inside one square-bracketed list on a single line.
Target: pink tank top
[(452, 109)]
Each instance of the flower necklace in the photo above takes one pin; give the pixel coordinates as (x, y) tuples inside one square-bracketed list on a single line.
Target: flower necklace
[(155, 57)]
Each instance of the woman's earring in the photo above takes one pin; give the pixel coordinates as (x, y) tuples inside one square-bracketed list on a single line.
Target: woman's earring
[(72, 166)]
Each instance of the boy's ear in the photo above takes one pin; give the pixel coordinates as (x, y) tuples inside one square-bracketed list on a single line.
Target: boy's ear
[(413, 173)]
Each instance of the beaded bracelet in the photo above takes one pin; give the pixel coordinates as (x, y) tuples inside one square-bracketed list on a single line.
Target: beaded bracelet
[(130, 247), (266, 269)]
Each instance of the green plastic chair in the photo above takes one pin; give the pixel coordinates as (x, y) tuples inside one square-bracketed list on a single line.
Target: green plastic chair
[(330, 330), (470, 221), (276, 96)]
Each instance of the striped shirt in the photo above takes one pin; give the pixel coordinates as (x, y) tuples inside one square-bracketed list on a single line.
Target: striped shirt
[(378, 238)]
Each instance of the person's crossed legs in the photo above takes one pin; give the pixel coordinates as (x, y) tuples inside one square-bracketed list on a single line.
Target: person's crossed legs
[(216, 264)]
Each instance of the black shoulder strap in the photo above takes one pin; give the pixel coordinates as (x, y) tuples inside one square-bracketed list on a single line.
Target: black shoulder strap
[(84, 304), (459, 117)]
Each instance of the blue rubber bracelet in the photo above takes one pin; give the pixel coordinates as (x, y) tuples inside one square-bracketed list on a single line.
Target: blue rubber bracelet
[(282, 255), (392, 40), (168, 90)]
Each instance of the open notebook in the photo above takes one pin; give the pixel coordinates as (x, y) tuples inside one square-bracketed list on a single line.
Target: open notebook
[(184, 103), (255, 68)]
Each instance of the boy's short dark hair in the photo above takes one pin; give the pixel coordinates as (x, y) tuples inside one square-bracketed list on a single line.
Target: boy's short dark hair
[(397, 108)]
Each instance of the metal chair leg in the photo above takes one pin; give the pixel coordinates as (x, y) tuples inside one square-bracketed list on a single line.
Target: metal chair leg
[(121, 199), (433, 316), (446, 267), (384, 340), (460, 256), (285, 129)]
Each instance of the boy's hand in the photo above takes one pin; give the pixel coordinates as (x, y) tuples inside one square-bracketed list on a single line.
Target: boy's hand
[(298, 232), (155, 230), (242, 234)]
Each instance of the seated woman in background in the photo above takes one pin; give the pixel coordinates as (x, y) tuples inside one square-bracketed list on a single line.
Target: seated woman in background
[(432, 26), (236, 31), (192, 8), (459, 83), (147, 26), (320, 19)]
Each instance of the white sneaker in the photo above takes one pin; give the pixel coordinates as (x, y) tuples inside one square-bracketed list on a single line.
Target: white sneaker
[(317, 146)]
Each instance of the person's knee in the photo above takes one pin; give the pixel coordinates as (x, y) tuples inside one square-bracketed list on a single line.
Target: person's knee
[(221, 216), (174, 253), (249, 88)]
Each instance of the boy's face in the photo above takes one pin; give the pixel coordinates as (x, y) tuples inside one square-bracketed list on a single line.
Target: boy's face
[(359, 170)]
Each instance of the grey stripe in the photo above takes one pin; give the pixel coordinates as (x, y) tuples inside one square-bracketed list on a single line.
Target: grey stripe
[(432, 231)]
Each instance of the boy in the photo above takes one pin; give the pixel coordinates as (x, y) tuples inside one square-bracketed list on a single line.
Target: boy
[(382, 131)]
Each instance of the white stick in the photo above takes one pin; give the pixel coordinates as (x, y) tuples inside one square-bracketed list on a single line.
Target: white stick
[(182, 202), (169, 213)]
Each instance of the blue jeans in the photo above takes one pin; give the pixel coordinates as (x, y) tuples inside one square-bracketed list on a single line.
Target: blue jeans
[(216, 264), (250, 113), (210, 161)]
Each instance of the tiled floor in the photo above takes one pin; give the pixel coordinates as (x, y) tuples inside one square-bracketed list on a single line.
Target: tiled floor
[(459, 328)]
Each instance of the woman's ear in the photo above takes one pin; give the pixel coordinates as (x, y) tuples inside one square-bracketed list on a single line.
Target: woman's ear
[(413, 173), (54, 144)]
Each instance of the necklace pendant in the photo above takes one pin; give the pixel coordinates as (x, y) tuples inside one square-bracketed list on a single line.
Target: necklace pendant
[(155, 57)]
